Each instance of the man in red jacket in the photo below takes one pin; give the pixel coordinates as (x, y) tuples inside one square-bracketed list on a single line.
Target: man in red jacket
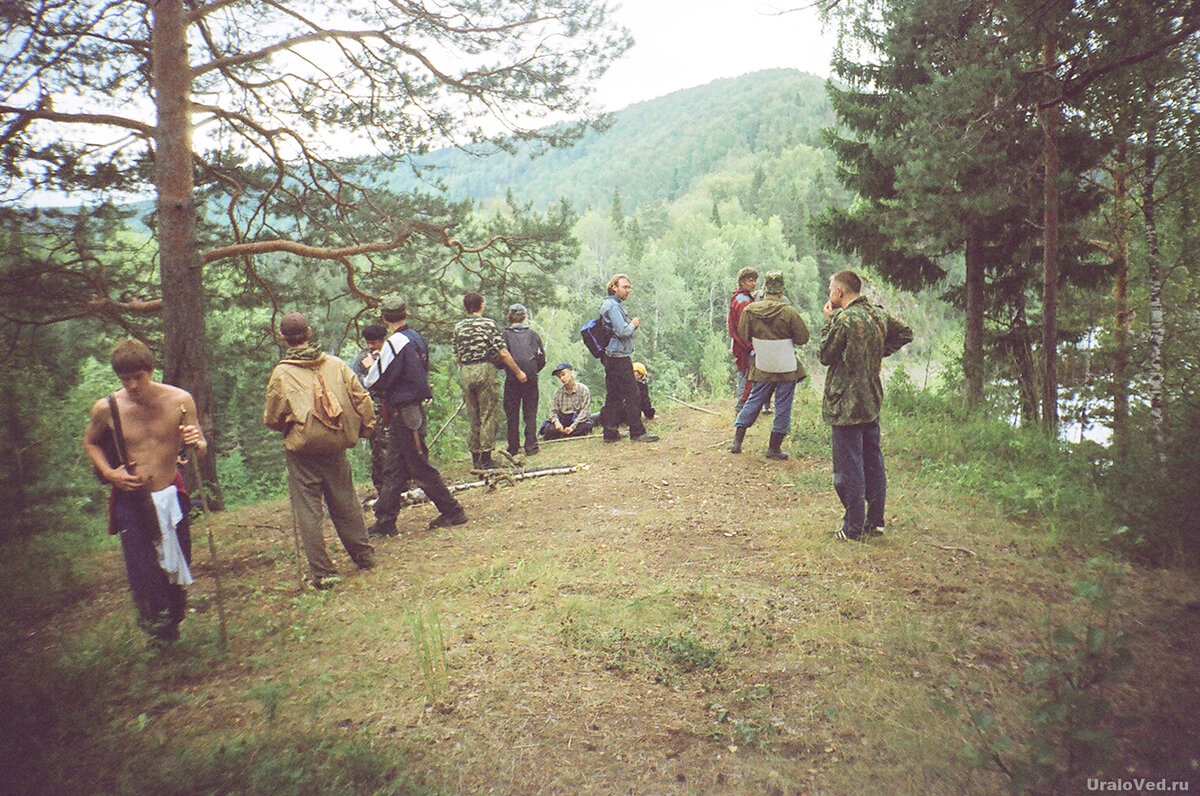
[(747, 280)]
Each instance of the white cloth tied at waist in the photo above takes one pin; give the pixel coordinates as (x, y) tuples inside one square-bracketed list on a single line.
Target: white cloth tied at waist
[(774, 356), (170, 554)]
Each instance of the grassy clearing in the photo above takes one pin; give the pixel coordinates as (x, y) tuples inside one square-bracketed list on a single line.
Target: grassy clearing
[(673, 620)]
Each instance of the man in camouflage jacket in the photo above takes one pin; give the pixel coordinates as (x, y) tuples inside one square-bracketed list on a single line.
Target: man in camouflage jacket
[(479, 349), (856, 337)]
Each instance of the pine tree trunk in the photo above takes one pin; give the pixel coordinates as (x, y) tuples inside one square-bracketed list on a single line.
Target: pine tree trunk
[(185, 360), (1050, 127), (1020, 348), (973, 337)]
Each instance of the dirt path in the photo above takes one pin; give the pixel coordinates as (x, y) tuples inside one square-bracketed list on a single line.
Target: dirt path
[(674, 619)]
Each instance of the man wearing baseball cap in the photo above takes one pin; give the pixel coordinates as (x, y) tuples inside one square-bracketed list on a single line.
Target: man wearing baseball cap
[(315, 401), (521, 397), (570, 408)]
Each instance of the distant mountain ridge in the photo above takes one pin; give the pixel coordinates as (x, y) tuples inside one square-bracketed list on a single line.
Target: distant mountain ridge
[(654, 150)]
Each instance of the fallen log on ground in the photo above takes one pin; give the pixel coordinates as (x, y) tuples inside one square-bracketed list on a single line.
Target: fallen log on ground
[(571, 438), (414, 497), (690, 406)]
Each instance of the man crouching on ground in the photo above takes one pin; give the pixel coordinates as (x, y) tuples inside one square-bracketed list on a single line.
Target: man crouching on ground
[(322, 410), (147, 506)]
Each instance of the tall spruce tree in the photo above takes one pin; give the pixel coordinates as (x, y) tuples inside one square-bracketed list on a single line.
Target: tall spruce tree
[(955, 106), (939, 155)]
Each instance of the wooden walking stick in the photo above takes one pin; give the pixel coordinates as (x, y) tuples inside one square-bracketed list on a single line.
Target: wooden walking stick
[(296, 538), (447, 423), (690, 406), (212, 545)]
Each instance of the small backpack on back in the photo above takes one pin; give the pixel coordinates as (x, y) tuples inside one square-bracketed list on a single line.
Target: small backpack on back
[(321, 426), (526, 349), (596, 335)]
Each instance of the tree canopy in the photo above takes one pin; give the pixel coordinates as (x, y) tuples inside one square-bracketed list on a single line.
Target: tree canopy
[(243, 118)]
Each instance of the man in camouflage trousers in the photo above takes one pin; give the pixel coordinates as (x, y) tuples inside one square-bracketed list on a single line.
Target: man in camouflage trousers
[(856, 337), (479, 350)]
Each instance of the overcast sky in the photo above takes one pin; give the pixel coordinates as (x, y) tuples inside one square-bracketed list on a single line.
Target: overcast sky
[(685, 43)]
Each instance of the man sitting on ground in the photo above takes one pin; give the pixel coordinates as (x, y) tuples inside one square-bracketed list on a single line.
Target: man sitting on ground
[(643, 383), (569, 408), (642, 378)]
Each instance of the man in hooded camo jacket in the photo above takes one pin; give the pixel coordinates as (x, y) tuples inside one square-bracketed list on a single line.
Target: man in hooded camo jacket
[(773, 327), (856, 337)]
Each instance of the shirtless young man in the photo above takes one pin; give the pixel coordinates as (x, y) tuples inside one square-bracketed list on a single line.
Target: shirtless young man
[(147, 506)]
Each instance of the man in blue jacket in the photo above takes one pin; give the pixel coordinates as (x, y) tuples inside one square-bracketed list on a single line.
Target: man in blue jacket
[(621, 400), (399, 379)]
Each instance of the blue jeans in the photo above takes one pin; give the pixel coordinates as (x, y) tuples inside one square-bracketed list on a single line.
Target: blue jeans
[(858, 476), (760, 393)]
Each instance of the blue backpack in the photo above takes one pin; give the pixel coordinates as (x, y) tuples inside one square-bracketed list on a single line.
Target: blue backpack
[(596, 335)]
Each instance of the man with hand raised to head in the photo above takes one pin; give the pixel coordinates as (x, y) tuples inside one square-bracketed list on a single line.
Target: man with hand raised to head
[(856, 337), (399, 379)]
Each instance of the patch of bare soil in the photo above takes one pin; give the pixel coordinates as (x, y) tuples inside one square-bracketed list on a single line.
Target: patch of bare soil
[(676, 619)]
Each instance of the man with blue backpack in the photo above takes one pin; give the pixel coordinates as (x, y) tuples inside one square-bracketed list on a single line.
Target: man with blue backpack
[(622, 400)]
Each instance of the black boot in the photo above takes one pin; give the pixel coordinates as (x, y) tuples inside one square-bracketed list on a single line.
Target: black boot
[(773, 451), (739, 435), (485, 461)]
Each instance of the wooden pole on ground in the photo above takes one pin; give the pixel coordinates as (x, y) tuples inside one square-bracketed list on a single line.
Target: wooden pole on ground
[(697, 408), (417, 496)]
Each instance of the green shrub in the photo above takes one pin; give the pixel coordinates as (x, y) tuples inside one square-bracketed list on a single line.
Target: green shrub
[(1155, 497), (1070, 721), (1031, 475)]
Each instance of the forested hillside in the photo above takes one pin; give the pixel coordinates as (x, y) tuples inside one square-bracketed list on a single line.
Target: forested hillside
[(654, 150)]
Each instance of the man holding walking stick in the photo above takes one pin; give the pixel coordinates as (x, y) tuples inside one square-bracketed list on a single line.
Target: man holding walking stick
[(134, 438), (314, 399)]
